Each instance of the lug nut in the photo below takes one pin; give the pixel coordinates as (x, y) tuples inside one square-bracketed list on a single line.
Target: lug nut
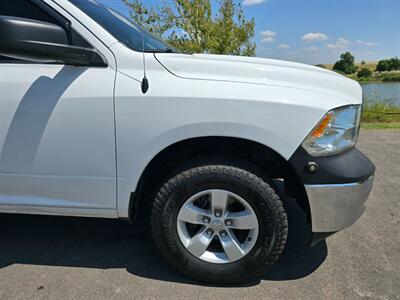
[(206, 220), (223, 234), (217, 214), (209, 232), (228, 223)]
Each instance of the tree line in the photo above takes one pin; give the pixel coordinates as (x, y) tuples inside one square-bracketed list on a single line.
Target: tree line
[(346, 65), (392, 64)]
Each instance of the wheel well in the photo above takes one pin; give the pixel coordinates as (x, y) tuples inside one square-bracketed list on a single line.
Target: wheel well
[(268, 164)]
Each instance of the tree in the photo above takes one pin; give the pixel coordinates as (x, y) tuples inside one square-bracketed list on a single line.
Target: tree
[(345, 64), (192, 26), (383, 65), (364, 73), (394, 64), (363, 62)]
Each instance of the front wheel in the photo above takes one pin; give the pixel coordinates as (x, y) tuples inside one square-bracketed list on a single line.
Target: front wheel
[(219, 224)]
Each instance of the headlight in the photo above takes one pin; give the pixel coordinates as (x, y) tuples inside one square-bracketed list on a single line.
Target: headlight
[(336, 132)]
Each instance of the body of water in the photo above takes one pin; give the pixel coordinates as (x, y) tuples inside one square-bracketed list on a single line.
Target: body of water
[(387, 92)]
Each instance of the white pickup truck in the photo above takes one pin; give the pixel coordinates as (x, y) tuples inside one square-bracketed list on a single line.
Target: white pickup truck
[(200, 140)]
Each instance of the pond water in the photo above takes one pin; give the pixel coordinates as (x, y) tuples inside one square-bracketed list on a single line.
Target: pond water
[(388, 92)]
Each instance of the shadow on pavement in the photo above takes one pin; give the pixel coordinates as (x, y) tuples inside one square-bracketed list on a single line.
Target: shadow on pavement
[(298, 258), (104, 244)]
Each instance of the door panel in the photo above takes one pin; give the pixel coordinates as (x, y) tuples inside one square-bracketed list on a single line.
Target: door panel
[(57, 137)]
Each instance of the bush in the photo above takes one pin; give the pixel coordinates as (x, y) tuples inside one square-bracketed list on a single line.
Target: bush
[(391, 77), (364, 73), (321, 66)]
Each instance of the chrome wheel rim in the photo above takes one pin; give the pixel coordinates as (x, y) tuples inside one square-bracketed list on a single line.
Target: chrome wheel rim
[(217, 226)]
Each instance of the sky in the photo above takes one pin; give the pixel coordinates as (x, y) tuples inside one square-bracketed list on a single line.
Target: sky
[(318, 31)]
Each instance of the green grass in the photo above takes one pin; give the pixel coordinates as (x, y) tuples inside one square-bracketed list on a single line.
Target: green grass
[(380, 112), (386, 126), (388, 76)]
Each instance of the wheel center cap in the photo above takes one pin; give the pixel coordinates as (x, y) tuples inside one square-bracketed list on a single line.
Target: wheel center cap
[(217, 225)]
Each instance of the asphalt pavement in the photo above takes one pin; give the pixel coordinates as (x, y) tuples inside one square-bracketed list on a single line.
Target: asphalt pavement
[(74, 258)]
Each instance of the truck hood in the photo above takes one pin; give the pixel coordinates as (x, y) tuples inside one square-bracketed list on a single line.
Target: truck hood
[(261, 71)]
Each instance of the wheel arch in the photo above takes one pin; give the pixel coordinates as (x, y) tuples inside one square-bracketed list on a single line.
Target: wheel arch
[(268, 162)]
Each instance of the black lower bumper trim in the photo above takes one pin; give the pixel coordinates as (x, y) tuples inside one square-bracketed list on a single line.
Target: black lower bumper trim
[(347, 167)]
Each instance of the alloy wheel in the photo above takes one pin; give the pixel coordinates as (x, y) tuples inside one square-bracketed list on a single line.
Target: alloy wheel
[(217, 226)]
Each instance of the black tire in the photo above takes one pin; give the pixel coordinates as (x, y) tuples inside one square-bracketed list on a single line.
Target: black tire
[(272, 220)]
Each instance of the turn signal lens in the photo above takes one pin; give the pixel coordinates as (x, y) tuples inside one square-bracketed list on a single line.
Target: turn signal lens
[(320, 129)]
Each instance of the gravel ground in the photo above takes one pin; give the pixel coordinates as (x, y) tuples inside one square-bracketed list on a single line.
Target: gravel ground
[(74, 258)]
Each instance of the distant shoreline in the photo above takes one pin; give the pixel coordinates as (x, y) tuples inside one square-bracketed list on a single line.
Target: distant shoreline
[(373, 81), (376, 77)]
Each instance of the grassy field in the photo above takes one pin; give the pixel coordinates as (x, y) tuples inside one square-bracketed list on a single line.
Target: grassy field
[(380, 112), (380, 115), (385, 126)]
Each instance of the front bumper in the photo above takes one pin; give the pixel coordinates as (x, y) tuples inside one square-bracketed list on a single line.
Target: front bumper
[(337, 206), (337, 189)]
